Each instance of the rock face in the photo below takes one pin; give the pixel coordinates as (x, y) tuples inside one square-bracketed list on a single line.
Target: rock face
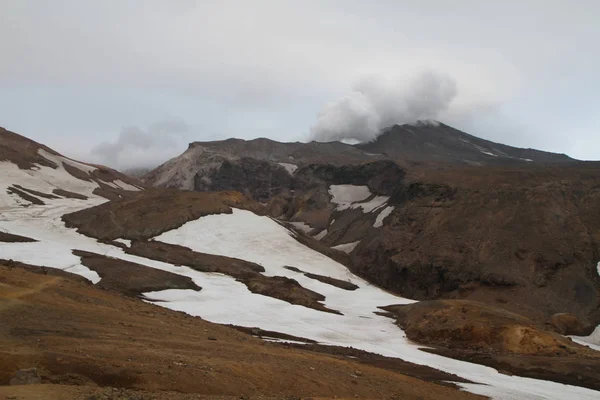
[(447, 214), (256, 178), (524, 239)]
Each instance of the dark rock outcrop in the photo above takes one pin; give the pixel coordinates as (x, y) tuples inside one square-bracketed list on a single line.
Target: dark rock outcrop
[(256, 178)]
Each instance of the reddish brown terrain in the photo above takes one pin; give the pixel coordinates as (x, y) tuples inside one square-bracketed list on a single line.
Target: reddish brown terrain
[(489, 335), (522, 235), (517, 230), (92, 340), (146, 214), (502, 252)]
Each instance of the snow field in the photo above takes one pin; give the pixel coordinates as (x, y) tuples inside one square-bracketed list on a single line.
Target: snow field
[(261, 240), (245, 235)]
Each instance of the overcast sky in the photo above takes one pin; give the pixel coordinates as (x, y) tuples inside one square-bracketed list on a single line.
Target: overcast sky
[(130, 82)]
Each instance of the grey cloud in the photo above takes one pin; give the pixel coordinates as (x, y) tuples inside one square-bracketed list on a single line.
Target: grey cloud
[(138, 148), (280, 60), (376, 103)]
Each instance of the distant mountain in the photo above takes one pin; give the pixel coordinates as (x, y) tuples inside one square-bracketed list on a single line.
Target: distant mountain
[(422, 143), (427, 211), (437, 142), (204, 159)]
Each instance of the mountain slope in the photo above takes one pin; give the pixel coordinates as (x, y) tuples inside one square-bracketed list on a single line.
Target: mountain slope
[(76, 334), (204, 160), (220, 256), (34, 174), (440, 143), (424, 142), (462, 217)]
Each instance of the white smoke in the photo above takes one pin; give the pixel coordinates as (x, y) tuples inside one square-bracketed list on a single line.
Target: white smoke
[(137, 148), (375, 104)]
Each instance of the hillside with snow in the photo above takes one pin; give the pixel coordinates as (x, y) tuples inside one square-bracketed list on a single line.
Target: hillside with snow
[(235, 258)]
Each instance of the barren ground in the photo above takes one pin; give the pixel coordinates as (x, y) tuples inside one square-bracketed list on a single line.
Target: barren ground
[(84, 340)]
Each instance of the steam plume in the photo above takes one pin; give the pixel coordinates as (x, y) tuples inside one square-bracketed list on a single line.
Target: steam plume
[(375, 104)]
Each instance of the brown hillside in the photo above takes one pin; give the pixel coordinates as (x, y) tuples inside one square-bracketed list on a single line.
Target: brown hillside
[(69, 331)]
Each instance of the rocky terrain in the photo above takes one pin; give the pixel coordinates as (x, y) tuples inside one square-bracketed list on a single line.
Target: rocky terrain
[(429, 212), (507, 341), (277, 251)]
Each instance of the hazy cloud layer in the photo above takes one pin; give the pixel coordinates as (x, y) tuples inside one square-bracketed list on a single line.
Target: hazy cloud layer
[(74, 72), (138, 148), (376, 103)]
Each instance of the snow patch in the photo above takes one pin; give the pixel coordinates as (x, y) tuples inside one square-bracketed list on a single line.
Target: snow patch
[(321, 234), (382, 215), (346, 247), (290, 168), (592, 341), (489, 154), (345, 195), (126, 242), (302, 226), (84, 271)]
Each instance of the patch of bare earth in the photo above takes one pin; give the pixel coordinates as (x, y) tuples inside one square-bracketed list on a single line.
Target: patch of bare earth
[(286, 289), (36, 192), (10, 238), (148, 213), (487, 335), (130, 278), (89, 340), (326, 279), (69, 195), (24, 195)]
